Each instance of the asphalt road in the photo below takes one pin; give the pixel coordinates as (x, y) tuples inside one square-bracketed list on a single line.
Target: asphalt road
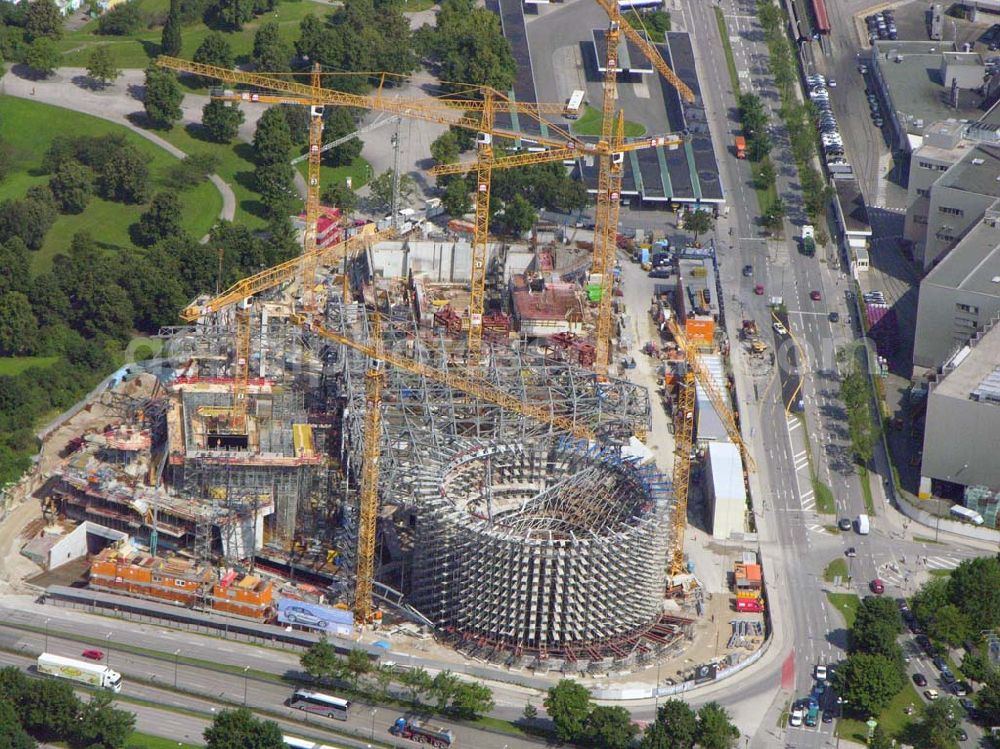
[(202, 688)]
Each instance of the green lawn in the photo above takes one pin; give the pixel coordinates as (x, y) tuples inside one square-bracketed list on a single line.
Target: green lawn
[(14, 365), (235, 168), (29, 127), (590, 124), (359, 170), (720, 20), (136, 51), (866, 489), (892, 719), (846, 604), (824, 498), (836, 568), (939, 573), (145, 741)]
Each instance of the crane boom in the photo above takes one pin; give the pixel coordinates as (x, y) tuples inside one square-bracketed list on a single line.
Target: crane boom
[(722, 408), (684, 443), (614, 13), (279, 274), (344, 138), (444, 111)]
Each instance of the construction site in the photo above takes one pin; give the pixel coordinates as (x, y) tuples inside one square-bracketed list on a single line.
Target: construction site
[(424, 423)]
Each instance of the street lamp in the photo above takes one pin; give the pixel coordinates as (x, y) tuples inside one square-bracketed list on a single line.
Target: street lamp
[(372, 735), (245, 669), (107, 656), (176, 653)]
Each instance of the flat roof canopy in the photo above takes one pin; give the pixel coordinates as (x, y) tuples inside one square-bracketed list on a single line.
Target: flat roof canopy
[(630, 57)]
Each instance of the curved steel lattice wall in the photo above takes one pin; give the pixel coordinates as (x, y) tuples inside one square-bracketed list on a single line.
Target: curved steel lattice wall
[(542, 546)]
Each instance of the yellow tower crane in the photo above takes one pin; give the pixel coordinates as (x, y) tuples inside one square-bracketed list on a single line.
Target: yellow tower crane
[(683, 431), (244, 290), (368, 504), (472, 114)]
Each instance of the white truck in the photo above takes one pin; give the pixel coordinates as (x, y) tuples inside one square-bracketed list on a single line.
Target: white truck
[(94, 674), (863, 527)]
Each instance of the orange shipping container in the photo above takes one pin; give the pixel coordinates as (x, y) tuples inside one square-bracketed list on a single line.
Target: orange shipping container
[(700, 330)]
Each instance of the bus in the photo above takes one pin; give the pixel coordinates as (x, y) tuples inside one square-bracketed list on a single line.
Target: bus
[(964, 513), (323, 704), (574, 105)]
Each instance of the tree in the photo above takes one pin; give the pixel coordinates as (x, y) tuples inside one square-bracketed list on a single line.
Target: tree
[(445, 150), (975, 666), (764, 175), (18, 326), (936, 728), (72, 185), (101, 66), (239, 729), (102, 724), (42, 56), (715, 729), (676, 727), (12, 735), (28, 219), (170, 39), (163, 97), (123, 19), (518, 216), (162, 219), (868, 682), (191, 170), (51, 710), (221, 120), (876, 626), (774, 215), (341, 122), (988, 699), (15, 261), (974, 587), (320, 661), (932, 596), (43, 18), (214, 50), (950, 625), (124, 177), (444, 687), (470, 700), (469, 45), (235, 13), (380, 190), (568, 704), (272, 141), (610, 727), (270, 52), (418, 681), (880, 739), (340, 195), (697, 222), (358, 664), (456, 199), (530, 711)]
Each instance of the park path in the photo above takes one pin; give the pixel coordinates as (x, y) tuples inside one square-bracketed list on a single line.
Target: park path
[(120, 103)]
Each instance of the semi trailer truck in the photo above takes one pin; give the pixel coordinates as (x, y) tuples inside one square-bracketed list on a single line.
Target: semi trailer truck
[(92, 674)]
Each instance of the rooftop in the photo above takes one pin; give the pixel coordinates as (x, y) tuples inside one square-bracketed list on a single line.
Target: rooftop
[(727, 470), (974, 264), (977, 172), (912, 75), (978, 366), (852, 203)]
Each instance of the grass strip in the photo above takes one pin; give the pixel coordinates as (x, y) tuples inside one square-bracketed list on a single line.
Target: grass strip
[(590, 124), (893, 718), (823, 494), (846, 604), (836, 568), (866, 489), (727, 46), (137, 740)]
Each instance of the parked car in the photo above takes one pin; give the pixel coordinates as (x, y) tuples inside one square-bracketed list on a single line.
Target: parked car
[(920, 680), (960, 688), (931, 694), (940, 663), (877, 587), (660, 273), (968, 705), (821, 673)]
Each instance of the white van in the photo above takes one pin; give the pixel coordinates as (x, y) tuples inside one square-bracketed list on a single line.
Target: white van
[(969, 516), (862, 525)]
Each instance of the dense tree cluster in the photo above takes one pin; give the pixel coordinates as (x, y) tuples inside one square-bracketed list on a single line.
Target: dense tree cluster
[(235, 13), (240, 729), (361, 35), (270, 52), (123, 19), (862, 429), (163, 97), (274, 174), (50, 711), (873, 673), (677, 726), (468, 46), (962, 605), (655, 23), (445, 690)]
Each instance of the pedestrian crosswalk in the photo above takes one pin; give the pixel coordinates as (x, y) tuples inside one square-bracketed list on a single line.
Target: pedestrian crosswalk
[(941, 563), (894, 574)]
